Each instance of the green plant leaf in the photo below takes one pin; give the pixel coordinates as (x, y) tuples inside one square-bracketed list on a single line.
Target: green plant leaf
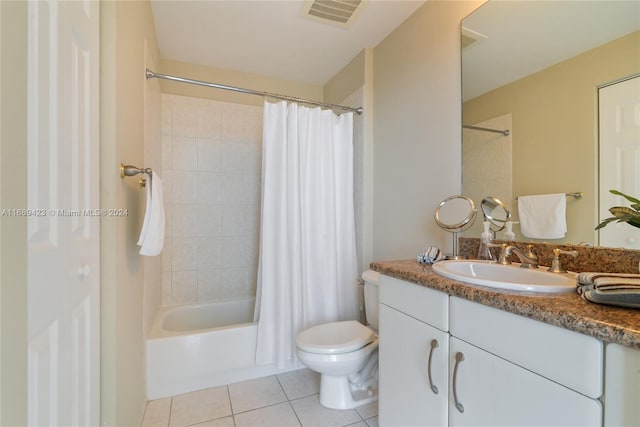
[(605, 222), (630, 215), (619, 211), (629, 198)]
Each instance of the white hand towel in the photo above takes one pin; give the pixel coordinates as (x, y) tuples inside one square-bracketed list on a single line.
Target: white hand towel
[(147, 215), (543, 216), (152, 235)]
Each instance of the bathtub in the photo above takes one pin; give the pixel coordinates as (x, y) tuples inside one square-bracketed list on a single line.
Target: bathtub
[(200, 346)]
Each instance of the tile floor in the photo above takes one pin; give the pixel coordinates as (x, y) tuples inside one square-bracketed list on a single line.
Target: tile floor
[(289, 399)]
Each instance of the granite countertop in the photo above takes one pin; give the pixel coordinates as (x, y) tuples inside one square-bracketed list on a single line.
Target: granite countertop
[(567, 310)]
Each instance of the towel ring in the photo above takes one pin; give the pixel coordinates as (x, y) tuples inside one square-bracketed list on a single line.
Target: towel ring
[(129, 170)]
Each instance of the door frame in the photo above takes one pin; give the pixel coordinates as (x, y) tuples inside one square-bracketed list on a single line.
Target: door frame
[(13, 229)]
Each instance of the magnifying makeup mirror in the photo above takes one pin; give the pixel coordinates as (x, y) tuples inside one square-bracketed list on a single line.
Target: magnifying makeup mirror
[(455, 214), (496, 212)]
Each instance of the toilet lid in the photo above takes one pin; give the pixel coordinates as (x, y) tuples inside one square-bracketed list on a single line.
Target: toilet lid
[(335, 337)]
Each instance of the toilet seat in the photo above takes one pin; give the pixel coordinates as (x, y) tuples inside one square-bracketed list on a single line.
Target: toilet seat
[(335, 337)]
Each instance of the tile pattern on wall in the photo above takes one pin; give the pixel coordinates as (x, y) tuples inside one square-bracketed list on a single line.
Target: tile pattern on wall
[(211, 169), (487, 160)]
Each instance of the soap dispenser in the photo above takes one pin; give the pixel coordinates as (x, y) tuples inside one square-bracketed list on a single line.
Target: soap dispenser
[(483, 251), (509, 234)]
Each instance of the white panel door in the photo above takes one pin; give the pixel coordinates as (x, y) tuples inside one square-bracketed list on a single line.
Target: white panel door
[(619, 109), (489, 391), (413, 358), (63, 193)]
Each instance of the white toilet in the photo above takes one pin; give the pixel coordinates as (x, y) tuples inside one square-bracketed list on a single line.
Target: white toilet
[(345, 354)]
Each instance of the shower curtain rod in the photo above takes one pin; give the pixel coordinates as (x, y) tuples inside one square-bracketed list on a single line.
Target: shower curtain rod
[(505, 132), (150, 74)]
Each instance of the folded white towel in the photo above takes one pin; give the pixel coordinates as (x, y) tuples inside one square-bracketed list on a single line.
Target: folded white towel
[(152, 234), (543, 216), (609, 281)]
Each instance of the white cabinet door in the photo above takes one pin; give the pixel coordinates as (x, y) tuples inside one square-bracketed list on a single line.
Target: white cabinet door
[(406, 376), (489, 391), (622, 387), (565, 357)]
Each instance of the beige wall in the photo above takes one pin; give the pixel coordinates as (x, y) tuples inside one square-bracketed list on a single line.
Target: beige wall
[(13, 191), (125, 28), (555, 124), (231, 78), (152, 265), (417, 130), (347, 81), (0, 223)]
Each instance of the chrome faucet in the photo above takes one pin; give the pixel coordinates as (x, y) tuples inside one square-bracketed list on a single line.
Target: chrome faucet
[(527, 260), (556, 267)]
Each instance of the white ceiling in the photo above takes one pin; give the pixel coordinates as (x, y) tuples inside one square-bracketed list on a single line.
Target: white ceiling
[(270, 37), (528, 36)]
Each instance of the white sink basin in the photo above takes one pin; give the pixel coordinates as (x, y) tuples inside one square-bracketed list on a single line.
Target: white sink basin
[(511, 277)]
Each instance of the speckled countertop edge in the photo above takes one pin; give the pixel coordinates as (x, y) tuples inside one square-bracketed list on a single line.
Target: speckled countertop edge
[(567, 310)]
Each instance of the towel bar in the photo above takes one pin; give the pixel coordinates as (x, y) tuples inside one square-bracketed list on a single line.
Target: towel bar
[(577, 195)]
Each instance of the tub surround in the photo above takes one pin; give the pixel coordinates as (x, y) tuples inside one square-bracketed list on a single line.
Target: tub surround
[(570, 311), (194, 347), (211, 170)]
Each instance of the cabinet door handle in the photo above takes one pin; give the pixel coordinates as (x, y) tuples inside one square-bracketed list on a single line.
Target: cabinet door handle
[(459, 358), (434, 345)]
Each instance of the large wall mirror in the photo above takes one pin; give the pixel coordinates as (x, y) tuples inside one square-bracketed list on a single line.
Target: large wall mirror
[(534, 68)]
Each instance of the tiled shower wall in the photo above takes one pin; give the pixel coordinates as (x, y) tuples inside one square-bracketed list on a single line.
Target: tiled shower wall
[(211, 173), (487, 165)]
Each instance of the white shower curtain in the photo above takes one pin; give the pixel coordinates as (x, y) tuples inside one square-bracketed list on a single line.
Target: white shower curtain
[(308, 271)]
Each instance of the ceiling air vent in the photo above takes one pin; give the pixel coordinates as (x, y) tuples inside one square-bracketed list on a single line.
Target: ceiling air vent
[(469, 37), (336, 11)]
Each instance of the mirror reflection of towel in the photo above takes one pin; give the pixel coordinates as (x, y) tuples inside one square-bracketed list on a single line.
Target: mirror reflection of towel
[(543, 216)]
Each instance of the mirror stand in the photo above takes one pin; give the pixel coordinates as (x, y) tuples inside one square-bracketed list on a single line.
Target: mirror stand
[(455, 214), (454, 255)]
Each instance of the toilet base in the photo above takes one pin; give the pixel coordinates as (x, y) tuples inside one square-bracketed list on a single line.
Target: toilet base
[(336, 393)]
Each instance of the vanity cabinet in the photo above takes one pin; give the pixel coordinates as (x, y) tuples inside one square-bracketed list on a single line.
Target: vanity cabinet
[(414, 351), (490, 391), (622, 386), (413, 373), (510, 370), (490, 367)]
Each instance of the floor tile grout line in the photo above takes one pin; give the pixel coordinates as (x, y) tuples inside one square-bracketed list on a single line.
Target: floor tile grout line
[(295, 413), (305, 396), (288, 400), (261, 407), (144, 414), (212, 419), (230, 401), (282, 388), (209, 420), (362, 418)]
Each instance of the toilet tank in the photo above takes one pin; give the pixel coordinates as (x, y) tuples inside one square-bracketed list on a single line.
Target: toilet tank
[(371, 280)]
